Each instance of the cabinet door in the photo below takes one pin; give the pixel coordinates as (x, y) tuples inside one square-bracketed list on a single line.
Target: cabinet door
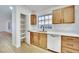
[(70, 43), (36, 41), (34, 38), (31, 38), (43, 40), (76, 43), (69, 15), (33, 19), (58, 16)]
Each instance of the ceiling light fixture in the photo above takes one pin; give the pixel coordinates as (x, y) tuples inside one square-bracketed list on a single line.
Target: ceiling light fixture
[(11, 8)]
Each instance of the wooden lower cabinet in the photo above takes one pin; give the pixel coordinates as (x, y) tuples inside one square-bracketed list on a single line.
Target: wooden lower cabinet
[(43, 40), (69, 50), (38, 39), (31, 37), (69, 44), (34, 38)]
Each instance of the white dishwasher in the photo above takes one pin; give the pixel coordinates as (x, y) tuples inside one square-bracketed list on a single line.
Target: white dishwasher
[(54, 42)]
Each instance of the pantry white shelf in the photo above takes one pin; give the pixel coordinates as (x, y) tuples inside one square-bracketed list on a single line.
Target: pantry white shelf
[(23, 26), (23, 33), (23, 37)]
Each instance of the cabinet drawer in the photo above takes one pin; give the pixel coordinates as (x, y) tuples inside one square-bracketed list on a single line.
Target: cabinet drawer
[(68, 50), (71, 42), (68, 42), (70, 45), (67, 39)]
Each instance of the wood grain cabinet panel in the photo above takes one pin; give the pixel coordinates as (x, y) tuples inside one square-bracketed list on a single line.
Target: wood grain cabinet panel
[(69, 14), (64, 15), (57, 16), (43, 40), (68, 50), (34, 38), (31, 38), (33, 20), (70, 43), (76, 43), (38, 39)]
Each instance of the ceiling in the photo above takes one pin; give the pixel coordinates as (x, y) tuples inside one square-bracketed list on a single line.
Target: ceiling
[(5, 12), (4, 9), (38, 8)]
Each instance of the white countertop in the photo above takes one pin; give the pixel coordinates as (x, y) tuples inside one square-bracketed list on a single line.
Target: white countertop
[(75, 34)]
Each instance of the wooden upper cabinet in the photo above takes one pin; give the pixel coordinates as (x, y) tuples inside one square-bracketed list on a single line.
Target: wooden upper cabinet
[(57, 16), (64, 15), (33, 19), (69, 14)]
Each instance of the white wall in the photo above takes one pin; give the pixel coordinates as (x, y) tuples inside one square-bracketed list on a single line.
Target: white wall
[(16, 24), (4, 19), (10, 26)]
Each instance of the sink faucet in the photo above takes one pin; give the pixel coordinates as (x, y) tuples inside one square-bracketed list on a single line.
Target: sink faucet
[(42, 27)]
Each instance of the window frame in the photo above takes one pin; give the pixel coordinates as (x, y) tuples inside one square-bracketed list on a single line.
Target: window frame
[(44, 19)]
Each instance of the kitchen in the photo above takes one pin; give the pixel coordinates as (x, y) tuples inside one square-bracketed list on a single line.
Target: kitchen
[(54, 29)]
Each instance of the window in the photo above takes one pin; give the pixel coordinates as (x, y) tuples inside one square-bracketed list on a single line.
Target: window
[(46, 21), (50, 19)]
